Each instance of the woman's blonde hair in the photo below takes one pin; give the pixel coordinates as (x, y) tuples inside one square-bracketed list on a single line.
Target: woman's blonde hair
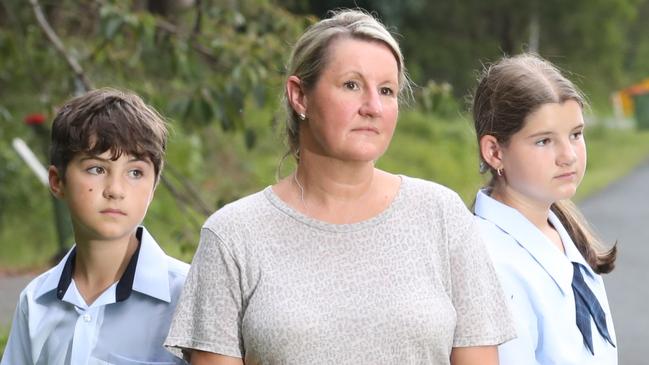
[(310, 56)]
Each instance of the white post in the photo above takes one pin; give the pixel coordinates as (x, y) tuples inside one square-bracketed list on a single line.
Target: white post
[(31, 160)]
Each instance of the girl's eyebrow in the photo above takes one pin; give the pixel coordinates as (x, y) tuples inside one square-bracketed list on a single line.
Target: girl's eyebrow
[(541, 134)]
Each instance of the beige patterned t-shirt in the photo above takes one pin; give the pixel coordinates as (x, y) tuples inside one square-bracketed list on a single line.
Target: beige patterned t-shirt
[(274, 286)]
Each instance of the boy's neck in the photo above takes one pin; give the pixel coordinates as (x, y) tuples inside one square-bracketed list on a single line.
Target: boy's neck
[(99, 264)]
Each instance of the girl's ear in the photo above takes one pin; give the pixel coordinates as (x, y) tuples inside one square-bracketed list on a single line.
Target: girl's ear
[(295, 94), (56, 181), (491, 151)]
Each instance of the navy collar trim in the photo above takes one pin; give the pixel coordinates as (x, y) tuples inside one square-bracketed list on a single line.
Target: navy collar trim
[(125, 283)]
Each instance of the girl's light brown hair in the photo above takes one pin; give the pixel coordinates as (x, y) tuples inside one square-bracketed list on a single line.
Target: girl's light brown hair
[(510, 90)]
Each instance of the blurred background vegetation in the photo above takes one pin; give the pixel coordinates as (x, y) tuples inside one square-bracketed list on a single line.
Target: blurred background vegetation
[(215, 69)]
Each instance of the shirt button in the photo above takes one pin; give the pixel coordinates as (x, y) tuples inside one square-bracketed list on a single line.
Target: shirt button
[(87, 318)]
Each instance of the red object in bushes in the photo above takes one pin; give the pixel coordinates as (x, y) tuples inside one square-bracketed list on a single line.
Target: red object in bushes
[(34, 119)]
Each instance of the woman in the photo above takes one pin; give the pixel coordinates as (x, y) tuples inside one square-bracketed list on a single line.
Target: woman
[(342, 263), (529, 123)]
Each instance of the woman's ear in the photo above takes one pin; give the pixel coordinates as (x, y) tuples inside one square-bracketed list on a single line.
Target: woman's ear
[(56, 181), (295, 94), (491, 151)]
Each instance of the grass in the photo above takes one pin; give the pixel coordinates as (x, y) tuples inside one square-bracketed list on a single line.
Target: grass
[(612, 154), (4, 336)]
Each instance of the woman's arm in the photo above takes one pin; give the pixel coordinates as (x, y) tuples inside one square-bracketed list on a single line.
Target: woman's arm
[(478, 355), (210, 358)]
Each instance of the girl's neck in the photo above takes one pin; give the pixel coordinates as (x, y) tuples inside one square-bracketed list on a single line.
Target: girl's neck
[(536, 212)]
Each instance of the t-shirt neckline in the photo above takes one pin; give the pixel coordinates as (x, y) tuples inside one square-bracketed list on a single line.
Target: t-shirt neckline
[(278, 203)]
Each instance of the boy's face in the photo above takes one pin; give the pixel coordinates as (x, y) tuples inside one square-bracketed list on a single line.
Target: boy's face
[(107, 199)]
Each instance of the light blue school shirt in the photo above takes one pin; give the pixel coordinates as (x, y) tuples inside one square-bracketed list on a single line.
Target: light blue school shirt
[(125, 325), (537, 281)]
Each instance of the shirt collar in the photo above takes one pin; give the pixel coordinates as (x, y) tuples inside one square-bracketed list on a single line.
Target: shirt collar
[(572, 252), (147, 272), (530, 238)]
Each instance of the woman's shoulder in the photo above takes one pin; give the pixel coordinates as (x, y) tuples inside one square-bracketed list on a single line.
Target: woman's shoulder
[(239, 212), (426, 190)]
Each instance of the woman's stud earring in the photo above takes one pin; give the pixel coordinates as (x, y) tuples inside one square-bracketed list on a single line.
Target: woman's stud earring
[(301, 116)]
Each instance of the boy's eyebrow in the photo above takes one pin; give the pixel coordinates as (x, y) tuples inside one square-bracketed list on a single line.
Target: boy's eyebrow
[(95, 157)]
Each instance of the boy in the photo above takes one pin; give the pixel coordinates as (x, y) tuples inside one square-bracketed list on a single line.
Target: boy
[(111, 298)]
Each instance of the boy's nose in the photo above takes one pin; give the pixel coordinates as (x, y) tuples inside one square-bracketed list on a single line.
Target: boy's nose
[(114, 189)]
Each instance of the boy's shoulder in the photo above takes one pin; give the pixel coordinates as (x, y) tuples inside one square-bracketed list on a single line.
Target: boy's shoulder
[(42, 284), (150, 261)]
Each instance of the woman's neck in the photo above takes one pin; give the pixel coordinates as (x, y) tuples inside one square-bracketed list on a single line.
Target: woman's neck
[(338, 192)]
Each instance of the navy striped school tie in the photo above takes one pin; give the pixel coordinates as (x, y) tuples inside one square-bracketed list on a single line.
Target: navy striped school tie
[(587, 306)]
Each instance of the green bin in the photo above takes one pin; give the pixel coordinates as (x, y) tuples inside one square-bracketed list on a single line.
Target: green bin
[(641, 106)]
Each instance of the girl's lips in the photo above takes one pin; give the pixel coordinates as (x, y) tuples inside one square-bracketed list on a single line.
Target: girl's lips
[(567, 175)]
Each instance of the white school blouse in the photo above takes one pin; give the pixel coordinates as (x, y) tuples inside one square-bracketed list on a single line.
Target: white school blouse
[(537, 280)]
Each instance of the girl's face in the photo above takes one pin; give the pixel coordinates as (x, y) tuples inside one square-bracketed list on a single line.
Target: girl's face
[(352, 109), (545, 161)]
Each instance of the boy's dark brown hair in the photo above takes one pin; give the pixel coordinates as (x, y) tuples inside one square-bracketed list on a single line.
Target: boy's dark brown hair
[(108, 120), (510, 90)]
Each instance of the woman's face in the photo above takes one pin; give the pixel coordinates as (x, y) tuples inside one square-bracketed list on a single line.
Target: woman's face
[(352, 109)]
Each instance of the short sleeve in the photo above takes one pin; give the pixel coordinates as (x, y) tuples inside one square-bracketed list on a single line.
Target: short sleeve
[(483, 317), (209, 312), (18, 349)]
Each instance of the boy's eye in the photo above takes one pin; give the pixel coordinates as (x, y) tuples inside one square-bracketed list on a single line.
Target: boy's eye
[(351, 85), (96, 170), (135, 173), (543, 142)]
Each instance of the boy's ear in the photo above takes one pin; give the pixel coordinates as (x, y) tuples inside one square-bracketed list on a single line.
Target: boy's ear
[(295, 94), (56, 181), (491, 151)]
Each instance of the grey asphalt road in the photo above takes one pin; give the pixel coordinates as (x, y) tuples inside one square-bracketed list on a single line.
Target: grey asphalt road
[(621, 212), (10, 288)]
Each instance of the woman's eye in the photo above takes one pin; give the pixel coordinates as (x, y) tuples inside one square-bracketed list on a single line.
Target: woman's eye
[(577, 135), (96, 170), (543, 142), (387, 91), (351, 85)]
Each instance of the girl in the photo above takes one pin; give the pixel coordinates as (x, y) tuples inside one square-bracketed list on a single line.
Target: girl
[(529, 124)]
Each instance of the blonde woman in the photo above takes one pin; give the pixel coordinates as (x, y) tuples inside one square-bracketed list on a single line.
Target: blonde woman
[(340, 262)]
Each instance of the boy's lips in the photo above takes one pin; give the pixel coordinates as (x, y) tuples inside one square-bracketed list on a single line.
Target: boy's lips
[(113, 211)]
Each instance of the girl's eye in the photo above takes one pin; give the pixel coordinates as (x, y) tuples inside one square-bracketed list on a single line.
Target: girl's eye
[(135, 174), (577, 135), (96, 170), (387, 91), (543, 142), (351, 85)]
